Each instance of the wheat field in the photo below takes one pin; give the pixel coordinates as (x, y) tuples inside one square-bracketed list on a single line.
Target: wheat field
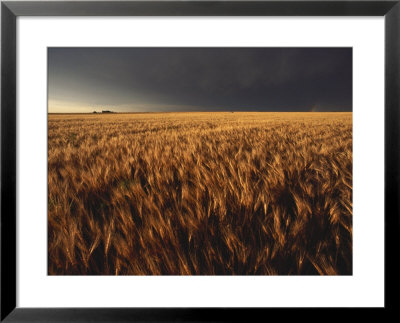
[(244, 193)]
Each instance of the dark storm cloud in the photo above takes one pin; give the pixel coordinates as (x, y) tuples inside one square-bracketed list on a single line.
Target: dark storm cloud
[(176, 79)]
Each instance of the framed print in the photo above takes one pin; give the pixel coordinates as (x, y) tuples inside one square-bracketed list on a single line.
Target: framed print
[(197, 160)]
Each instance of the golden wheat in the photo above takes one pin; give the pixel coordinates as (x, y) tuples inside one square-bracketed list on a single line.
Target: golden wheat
[(200, 194)]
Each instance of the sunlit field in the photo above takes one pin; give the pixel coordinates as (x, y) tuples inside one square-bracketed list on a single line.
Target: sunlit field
[(200, 194)]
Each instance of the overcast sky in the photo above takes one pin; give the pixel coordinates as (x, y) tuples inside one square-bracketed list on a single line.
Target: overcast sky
[(199, 79)]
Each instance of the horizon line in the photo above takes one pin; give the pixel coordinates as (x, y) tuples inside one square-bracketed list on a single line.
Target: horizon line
[(252, 111)]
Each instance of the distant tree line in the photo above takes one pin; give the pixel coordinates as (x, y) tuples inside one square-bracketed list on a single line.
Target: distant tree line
[(104, 111)]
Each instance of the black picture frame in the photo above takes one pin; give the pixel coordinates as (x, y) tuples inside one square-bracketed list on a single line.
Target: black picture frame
[(10, 10)]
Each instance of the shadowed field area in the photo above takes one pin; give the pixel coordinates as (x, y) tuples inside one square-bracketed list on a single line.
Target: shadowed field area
[(252, 193)]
